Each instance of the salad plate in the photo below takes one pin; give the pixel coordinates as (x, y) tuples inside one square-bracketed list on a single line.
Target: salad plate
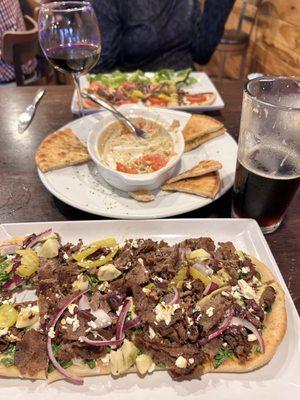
[(197, 82), (279, 378), (83, 187)]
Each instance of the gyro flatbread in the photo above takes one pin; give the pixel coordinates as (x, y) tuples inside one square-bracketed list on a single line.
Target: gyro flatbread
[(204, 167), (153, 312), (206, 186), (60, 149), (192, 144), (199, 125), (143, 196)]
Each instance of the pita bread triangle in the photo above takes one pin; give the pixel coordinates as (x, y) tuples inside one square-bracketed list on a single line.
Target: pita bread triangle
[(60, 149), (199, 125), (202, 139), (204, 167)]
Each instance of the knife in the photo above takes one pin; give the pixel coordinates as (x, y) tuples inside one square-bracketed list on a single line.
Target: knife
[(25, 118)]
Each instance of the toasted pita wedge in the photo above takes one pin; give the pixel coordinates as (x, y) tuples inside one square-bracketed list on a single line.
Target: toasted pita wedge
[(202, 139), (142, 196), (60, 149), (206, 186), (199, 125), (204, 167)]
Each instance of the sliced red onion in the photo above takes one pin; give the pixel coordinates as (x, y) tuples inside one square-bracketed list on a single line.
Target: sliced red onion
[(225, 324), (9, 249), (121, 319), (16, 279), (83, 303), (176, 297), (33, 239), (252, 328), (132, 324), (211, 287), (99, 343), (72, 378), (13, 283), (103, 320), (201, 268)]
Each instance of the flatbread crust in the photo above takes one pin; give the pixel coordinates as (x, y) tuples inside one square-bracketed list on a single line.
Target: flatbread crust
[(275, 328), (203, 167), (143, 196), (192, 144), (207, 185), (60, 149), (199, 125)]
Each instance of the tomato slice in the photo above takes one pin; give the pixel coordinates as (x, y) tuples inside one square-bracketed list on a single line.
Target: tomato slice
[(158, 102), (122, 168), (126, 101), (98, 85), (200, 98), (129, 85)]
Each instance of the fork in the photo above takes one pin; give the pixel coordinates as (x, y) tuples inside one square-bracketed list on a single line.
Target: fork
[(138, 131)]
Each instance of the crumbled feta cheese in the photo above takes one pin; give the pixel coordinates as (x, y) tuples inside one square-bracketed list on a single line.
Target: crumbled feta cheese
[(209, 271), (188, 285), (246, 290), (245, 270), (141, 261), (225, 344), (158, 278), (105, 359), (65, 256), (225, 294), (51, 332), (152, 333), (8, 301), (181, 362), (191, 360), (92, 324), (190, 321), (255, 281), (118, 312), (74, 322), (164, 312), (146, 290), (152, 368), (134, 244), (210, 311), (251, 309), (3, 331), (251, 337), (71, 308)]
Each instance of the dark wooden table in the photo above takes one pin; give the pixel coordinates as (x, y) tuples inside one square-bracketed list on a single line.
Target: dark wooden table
[(23, 197)]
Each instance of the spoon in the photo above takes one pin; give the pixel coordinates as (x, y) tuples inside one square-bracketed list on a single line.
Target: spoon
[(138, 131)]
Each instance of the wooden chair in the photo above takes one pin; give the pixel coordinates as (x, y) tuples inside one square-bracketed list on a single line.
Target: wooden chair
[(18, 47), (235, 41)]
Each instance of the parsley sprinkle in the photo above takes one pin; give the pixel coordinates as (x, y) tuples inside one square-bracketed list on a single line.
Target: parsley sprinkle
[(222, 356), (91, 364)]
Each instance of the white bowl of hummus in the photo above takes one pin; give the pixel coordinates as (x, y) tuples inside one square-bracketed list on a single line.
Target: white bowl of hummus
[(131, 163)]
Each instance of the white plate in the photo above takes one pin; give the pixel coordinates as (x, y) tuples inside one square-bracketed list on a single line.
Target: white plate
[(203, 84), (275, 381), (83, 187)]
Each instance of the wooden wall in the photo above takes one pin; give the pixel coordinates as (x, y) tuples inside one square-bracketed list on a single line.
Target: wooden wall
[(275, 39)]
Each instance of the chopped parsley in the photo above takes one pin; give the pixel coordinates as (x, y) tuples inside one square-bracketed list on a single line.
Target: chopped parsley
[(134, 332), (262, 327), (93, 280), (161, 365), (257, 350), (91, 363), (245, 255), (223, 355), (64, 364), (128, 316), (8, 361), (4, 264), (10, 352), (268, 309)]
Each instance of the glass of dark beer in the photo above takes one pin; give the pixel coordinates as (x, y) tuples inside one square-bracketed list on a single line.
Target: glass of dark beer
[(268, 166)]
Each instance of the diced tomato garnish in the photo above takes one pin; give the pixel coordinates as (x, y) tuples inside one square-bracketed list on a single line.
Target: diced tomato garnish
[(122, 168), (126, 132), (156, 161), (196, 99), (98, 85), (158, 102)]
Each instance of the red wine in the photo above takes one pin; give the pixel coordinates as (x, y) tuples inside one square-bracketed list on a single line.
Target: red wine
[(74, 58), (265, 183)]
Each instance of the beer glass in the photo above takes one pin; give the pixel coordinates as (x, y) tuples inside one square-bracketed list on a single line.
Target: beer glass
[(268, 165)]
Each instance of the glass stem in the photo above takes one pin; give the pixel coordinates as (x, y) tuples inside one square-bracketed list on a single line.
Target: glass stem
[(79, 98)]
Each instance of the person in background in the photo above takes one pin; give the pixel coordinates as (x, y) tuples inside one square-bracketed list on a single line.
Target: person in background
[(154, 34), (11, 19)]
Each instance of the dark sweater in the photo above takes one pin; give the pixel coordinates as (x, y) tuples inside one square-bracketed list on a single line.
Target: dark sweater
[(154, 34)]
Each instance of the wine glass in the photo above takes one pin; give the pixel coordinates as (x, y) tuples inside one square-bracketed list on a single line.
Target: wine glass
[(70, 39)]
